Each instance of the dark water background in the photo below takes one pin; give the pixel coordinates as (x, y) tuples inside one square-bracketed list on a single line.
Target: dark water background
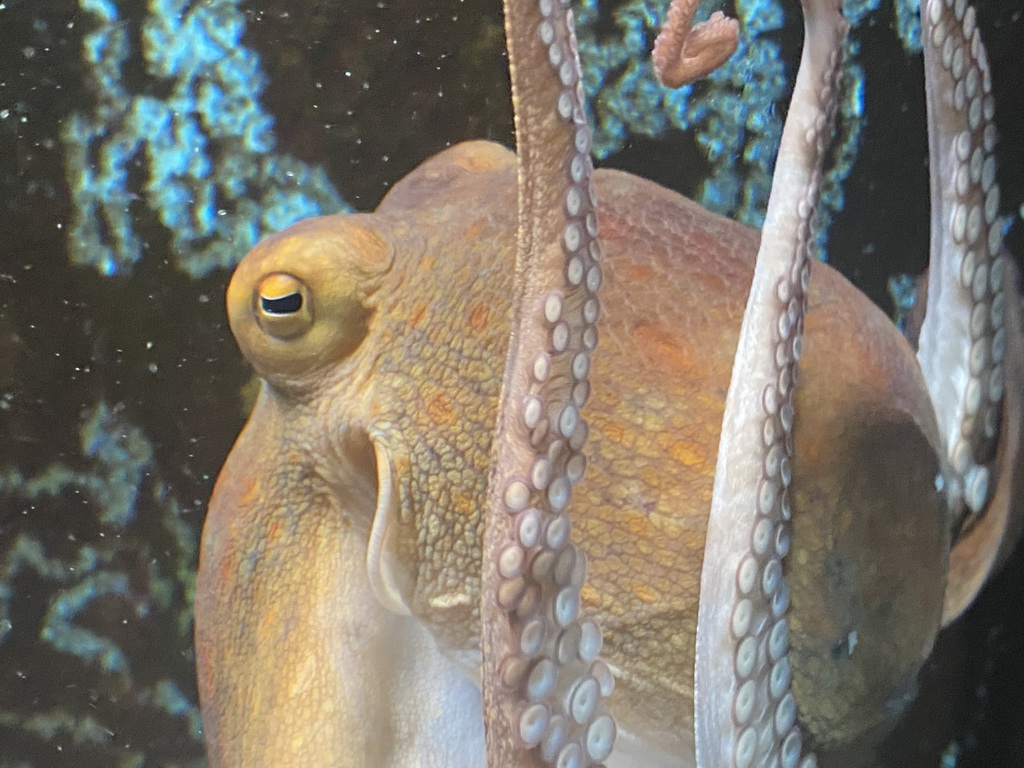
[(120, 383)]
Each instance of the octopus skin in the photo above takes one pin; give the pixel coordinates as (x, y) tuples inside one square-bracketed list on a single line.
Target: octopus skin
[(354, 491), (628, 578)]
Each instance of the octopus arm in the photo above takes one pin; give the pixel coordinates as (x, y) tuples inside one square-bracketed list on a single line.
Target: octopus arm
[(543, 685), (970, 341), (963, 337), (745, 711)]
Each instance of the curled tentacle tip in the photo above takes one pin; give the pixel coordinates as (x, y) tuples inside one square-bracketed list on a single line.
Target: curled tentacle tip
[(685, 52)]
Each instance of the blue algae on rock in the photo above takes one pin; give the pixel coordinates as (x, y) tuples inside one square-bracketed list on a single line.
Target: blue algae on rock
[(116, 565), (211, 176)]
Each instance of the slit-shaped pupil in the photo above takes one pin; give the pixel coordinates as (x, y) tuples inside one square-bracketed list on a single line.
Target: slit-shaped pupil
[(283, 305)]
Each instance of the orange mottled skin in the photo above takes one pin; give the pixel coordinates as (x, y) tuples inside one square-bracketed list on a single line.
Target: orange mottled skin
[(300, 665)]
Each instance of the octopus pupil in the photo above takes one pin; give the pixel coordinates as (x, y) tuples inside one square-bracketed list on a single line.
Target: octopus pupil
[(284, 305)]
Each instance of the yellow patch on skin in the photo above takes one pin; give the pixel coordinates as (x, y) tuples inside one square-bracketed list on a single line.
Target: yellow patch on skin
[(479, 315), (588, 594), (268, 626), (612, 431), (402, 465), (651, 476), (644, 593), (636, 524), (665, 559), (253, 702), (252, 492), (463, 503), (686, 453), (662, 347), (693, 539), (274, 530), (228, 567), (417, 314), (439, 408), (305, 677)]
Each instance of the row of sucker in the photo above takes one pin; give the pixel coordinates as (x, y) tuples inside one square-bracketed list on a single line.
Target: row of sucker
[(551, 668), (764, 720), (764, 710), (974, 224)]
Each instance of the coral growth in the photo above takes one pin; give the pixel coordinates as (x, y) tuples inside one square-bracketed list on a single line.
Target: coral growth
[(193, 123)]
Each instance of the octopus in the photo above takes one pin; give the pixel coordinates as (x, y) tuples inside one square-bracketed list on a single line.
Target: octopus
[(457, 531)]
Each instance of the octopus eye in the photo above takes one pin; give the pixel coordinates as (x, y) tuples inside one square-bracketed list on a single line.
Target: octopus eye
[(283, 307)]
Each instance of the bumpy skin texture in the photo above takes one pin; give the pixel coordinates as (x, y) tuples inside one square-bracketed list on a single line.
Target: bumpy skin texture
[(359, 480)]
